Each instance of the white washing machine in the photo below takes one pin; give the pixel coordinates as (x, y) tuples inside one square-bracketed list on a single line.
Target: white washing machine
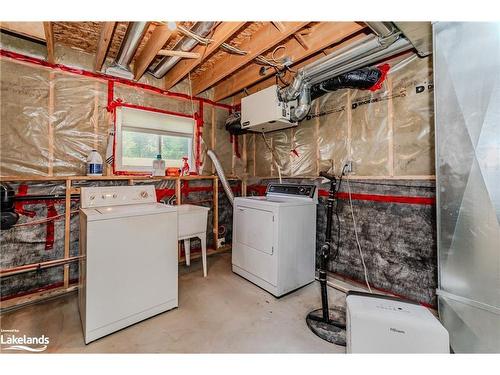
[(129, 272), (274, 237)]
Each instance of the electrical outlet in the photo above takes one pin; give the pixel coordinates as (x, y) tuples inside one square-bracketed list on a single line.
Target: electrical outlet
[(349, 167)]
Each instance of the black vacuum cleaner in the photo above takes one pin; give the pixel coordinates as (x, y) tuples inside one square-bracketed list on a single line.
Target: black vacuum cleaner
[(328, 323), (8, 214)]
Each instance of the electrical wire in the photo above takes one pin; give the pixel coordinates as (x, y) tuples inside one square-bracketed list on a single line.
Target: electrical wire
[(281, 60), (191, 94), (337, 250), (357, 239), (232, 49), (194, 36)]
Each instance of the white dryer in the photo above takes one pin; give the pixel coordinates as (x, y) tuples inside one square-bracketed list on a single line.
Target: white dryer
[(274, 237), (129, 272)]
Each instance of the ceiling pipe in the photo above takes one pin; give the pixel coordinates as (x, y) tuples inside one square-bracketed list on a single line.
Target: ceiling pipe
[(399, 46), (186, 44), (121, 65), (382, 29), (387, 42)]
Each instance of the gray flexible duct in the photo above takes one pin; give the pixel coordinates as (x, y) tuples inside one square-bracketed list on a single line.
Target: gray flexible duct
[(222, 176)]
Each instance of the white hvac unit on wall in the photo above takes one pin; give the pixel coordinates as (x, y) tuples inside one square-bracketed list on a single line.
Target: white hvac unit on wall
[(264, 112)]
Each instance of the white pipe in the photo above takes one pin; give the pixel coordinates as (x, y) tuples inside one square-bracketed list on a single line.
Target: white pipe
[(222, 176)]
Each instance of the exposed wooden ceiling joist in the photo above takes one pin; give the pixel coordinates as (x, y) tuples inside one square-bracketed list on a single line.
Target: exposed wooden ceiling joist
[(102, 47), (160, 36), (261, 41), (321, 36), (222, 33), (270, 80), (49, 39)]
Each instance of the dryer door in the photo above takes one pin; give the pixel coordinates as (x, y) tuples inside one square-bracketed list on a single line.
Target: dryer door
[(255, 228), (254, 243)]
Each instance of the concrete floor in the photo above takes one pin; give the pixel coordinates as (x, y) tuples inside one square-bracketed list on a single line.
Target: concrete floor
[(223, 313)]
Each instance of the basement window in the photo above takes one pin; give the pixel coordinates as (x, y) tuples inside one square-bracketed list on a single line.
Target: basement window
[(142, 134)]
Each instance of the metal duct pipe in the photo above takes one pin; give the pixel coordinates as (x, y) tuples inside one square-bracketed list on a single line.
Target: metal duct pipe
[(382, 29), (186, 44), (401, 45), (133, 36), (131, 40), (366, 51), (304, 100), (222, 176), (303, 105), (344, 55), (347, 53)]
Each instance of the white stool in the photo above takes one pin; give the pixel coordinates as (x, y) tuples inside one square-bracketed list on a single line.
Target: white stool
[(193, 223)]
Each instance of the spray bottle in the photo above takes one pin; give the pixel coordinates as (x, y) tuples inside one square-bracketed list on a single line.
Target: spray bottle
[(185, 166)]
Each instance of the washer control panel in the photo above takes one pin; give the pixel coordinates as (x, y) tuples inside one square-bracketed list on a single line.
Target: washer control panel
[(299, 191), (116, 195)]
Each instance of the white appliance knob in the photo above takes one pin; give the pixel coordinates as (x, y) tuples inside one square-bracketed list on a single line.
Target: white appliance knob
[(144, 194), (92, 197), (115, 195)]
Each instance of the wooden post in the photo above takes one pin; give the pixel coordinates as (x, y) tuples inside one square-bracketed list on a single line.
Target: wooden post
[(178, 191), (271, 143), (245, 167), (67, 227), (254, 154), (212, 136), (316, 135), (244, 155), (50, 161), (95, 117), (233, 154), (216, 211), (390, 128), (349, 126)]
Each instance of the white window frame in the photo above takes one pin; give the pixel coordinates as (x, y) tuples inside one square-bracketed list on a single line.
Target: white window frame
[(141, 120)]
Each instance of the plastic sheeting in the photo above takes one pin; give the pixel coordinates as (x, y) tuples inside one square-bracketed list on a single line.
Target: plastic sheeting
[(389, 132), (413, 117), (223, 145), (137, 96), (39, 124), (50, 120)]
